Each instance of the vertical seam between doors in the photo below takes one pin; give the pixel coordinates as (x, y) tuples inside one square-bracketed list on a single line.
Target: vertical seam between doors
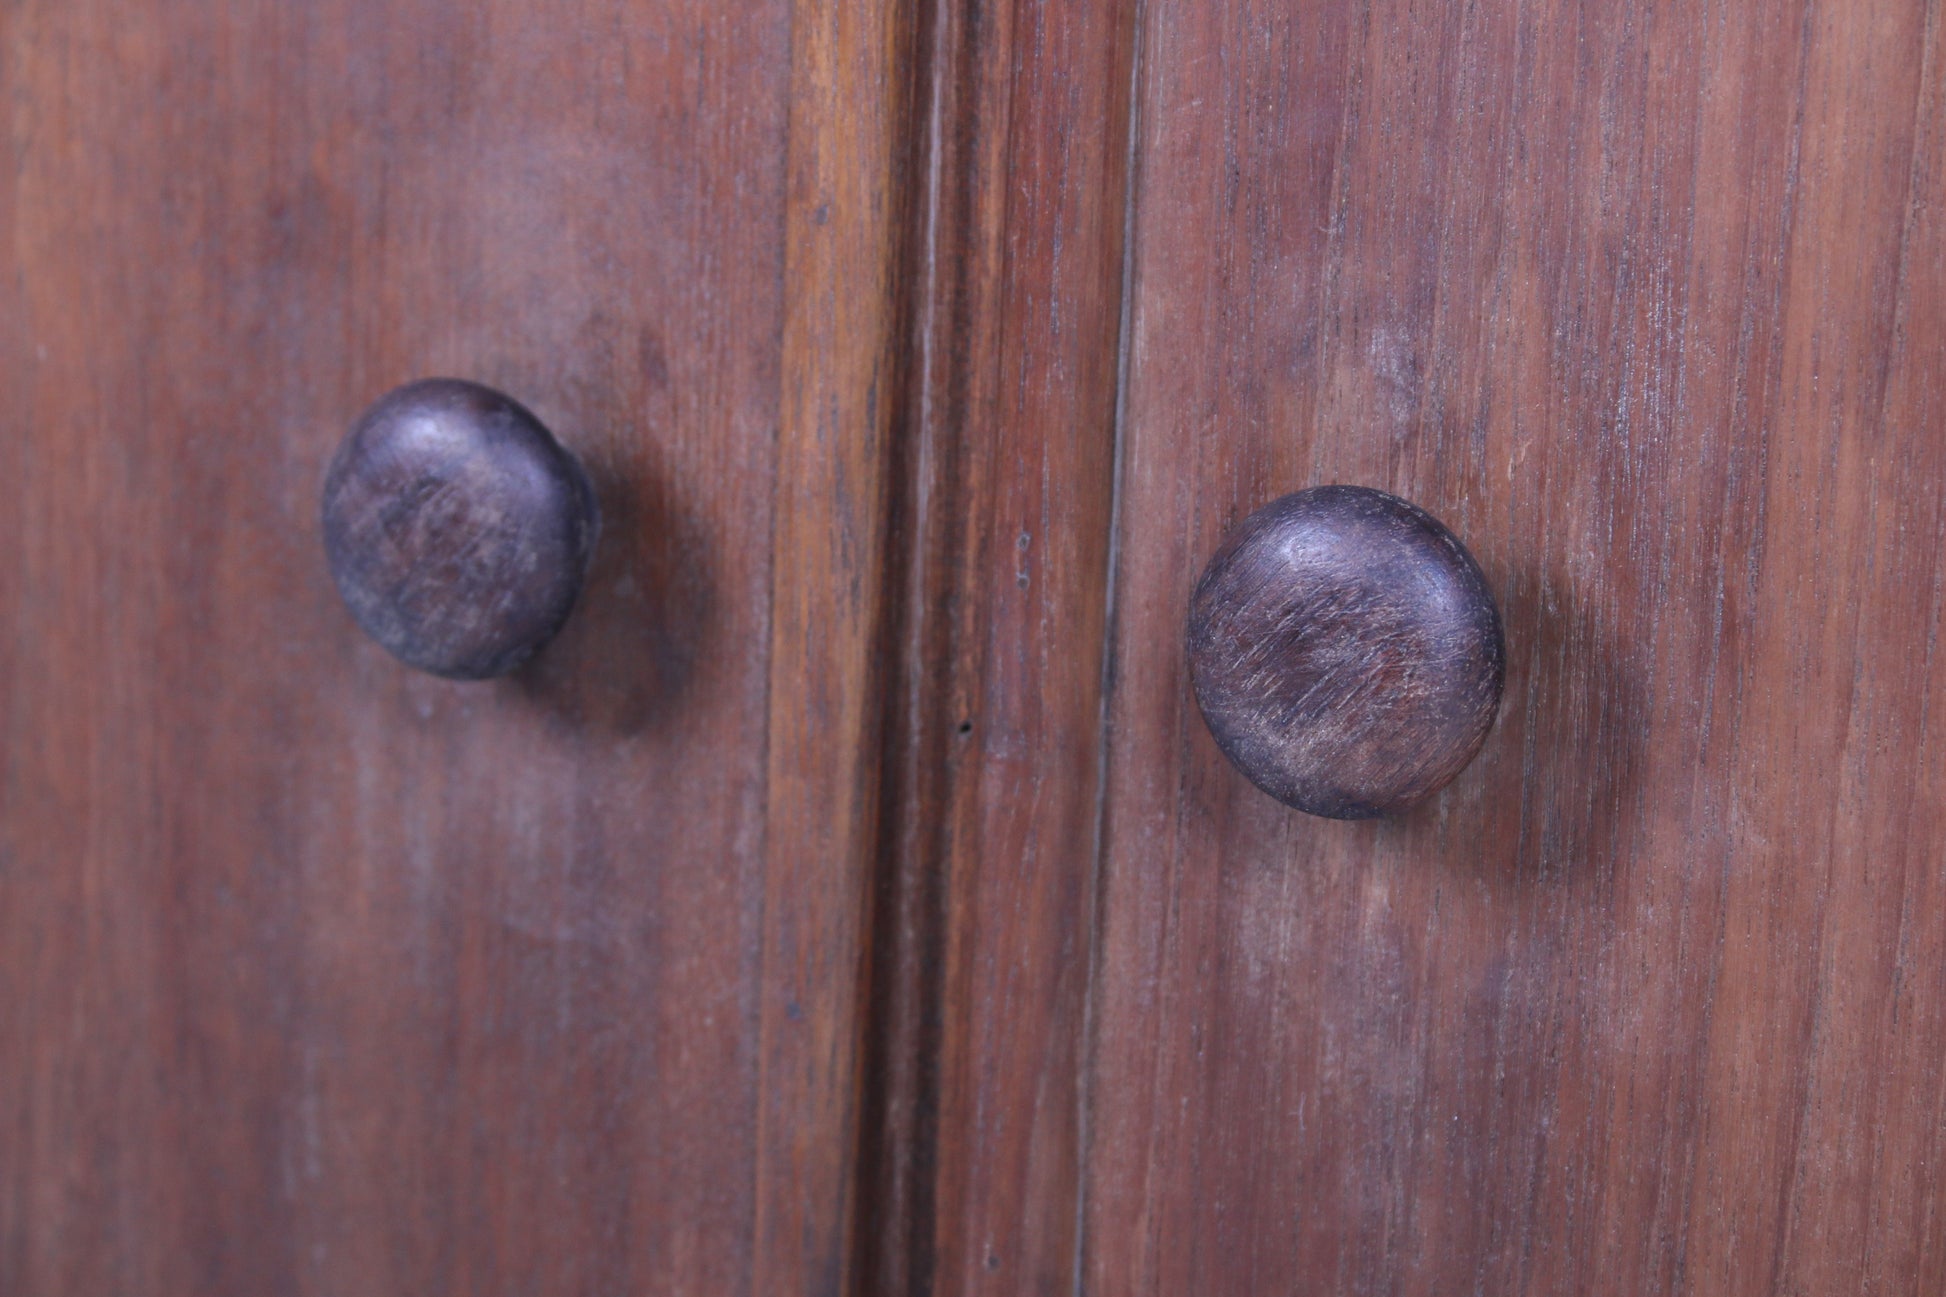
[(1097, 864)]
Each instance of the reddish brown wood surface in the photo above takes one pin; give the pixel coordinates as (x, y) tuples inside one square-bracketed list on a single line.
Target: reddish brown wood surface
[(843, 367), (1647, 302), (320, 976), (1007, 486)]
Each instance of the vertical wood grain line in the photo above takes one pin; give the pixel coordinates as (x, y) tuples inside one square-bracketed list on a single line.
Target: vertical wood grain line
[(898, 1140), (1084, 1089), (839, 391)]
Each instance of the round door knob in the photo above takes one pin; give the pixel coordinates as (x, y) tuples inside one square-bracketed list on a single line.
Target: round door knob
[(457, 528), (1346, 652)]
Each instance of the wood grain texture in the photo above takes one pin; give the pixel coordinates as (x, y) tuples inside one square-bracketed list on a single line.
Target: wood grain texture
[(846, 208), (1345, 652), (1006, 494), (1646, 301), (321, 976)]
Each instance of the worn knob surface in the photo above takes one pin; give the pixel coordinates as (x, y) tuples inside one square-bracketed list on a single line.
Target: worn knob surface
[(457, 528), (1346, 652)]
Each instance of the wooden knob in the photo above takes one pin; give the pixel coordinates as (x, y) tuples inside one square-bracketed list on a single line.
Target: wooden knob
[(1346, 652), (457, 528)]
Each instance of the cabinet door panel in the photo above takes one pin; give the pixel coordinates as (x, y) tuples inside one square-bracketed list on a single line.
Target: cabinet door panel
[(1646, 302), (320, 976)]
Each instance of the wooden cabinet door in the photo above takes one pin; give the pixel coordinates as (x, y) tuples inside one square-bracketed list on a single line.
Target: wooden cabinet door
[(1648, 302), (851, 901), (321, 976)]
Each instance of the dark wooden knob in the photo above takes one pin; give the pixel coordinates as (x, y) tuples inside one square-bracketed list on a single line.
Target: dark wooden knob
[(1346, 652), (457, 528)]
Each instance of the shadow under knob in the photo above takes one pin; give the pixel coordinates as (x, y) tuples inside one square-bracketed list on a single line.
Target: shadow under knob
[(457, 528), (1346, 652)]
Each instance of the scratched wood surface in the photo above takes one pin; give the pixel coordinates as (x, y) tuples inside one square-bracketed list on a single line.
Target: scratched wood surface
[(1648, 303), (320, 976)]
